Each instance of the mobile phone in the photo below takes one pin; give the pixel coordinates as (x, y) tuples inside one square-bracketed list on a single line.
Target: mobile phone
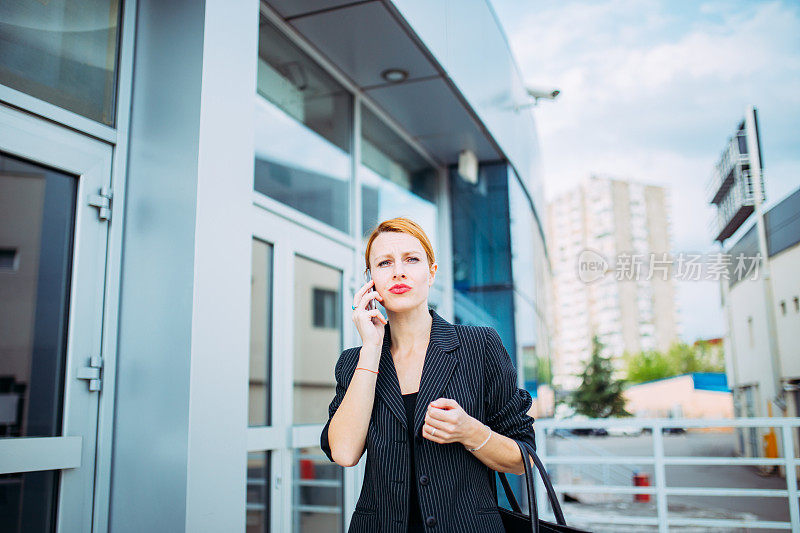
[(372, 303)]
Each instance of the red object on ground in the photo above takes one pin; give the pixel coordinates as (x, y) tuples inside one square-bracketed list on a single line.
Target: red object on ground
[(307, 469), (641, 480)]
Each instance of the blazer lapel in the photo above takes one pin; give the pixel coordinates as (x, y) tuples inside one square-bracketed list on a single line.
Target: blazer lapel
[(438, 367), (436, 371), (387, 387)]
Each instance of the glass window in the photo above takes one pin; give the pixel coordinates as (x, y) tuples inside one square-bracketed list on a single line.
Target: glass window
[(28, 502), (37, 223), (258, 492), (482, 280), (326, 308), (317, 501), (260, 335), (481, 229), (395, 179), (316, 349), (64, 52), (8, 259), (303, 132)]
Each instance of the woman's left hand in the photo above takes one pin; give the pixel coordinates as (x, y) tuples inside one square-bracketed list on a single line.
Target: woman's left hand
[(451, 422)]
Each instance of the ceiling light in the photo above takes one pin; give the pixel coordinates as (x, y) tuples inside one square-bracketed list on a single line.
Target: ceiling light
[(394, 75)]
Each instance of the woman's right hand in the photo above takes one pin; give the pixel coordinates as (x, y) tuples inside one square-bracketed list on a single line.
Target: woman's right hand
[(370, 323)]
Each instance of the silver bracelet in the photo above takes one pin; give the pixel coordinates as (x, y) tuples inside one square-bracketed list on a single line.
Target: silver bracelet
[(484, 442)]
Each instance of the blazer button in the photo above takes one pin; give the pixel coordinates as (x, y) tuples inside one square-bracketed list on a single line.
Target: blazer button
[(424, 480), (430, 521)]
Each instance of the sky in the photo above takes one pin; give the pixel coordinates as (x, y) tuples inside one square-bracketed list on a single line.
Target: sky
[(651, 90)]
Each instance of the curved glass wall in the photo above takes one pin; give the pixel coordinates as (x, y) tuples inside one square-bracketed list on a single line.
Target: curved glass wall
[(303, 132), (482, 276), (529, 267)]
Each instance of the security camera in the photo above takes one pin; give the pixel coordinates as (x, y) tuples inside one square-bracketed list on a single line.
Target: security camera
[(538, 94)]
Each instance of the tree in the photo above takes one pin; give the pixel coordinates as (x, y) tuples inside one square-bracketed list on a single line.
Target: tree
[(647, 366), (681, 358), (599, 394)]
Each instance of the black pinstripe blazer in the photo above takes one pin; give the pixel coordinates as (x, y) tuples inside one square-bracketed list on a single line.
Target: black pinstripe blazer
[(456, 491)]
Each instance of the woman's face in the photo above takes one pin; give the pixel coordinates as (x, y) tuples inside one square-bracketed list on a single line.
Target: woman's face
[(399, 259)]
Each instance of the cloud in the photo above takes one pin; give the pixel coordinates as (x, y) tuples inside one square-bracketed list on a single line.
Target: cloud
[(652, 89), (636, 76)]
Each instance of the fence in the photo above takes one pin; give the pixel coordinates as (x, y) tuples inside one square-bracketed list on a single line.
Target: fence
[(659, 461)]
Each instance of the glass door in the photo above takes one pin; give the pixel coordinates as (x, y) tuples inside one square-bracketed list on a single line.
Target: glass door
[(317, 483), (53, 231), (297, 332)]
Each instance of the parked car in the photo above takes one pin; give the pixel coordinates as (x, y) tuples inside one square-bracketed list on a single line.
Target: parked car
[(597, 432), (624, 431)]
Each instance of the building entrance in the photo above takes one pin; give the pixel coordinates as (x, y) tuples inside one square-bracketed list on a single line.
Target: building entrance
[(54, 216)]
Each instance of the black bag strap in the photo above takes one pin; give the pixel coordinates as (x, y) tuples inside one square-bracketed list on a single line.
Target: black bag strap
[(530, 477), (530, 482), (548, 485), (509, 494)]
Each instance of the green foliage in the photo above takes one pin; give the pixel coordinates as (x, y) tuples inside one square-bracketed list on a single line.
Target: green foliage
[(544, 374), (599, 395), (711, 356), (647, 366), (537, 367), (681, 358)]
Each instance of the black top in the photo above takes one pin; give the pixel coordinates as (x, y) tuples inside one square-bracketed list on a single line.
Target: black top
[(414, 515), (415, 523)]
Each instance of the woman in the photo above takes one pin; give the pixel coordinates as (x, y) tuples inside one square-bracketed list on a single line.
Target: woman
[(433, 403)]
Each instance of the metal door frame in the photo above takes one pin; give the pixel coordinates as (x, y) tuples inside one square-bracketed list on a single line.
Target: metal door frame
[(331, 248), (75, 451)]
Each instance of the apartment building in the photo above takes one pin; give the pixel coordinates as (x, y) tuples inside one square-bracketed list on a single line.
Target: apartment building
[(629, 305)]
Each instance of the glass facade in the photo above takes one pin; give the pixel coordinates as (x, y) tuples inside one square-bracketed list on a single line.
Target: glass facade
[(63, 52), (303, 132), (395, 179), (482, 275), (530, 267)]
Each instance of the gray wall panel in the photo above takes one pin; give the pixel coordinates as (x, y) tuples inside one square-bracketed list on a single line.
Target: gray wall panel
[(181, 409), (151, 423)]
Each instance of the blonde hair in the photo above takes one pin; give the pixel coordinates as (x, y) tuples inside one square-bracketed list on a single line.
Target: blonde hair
[(401, 225)]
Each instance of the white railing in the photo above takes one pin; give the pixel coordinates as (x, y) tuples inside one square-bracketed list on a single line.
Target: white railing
[(659, 461), (602, 472)]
